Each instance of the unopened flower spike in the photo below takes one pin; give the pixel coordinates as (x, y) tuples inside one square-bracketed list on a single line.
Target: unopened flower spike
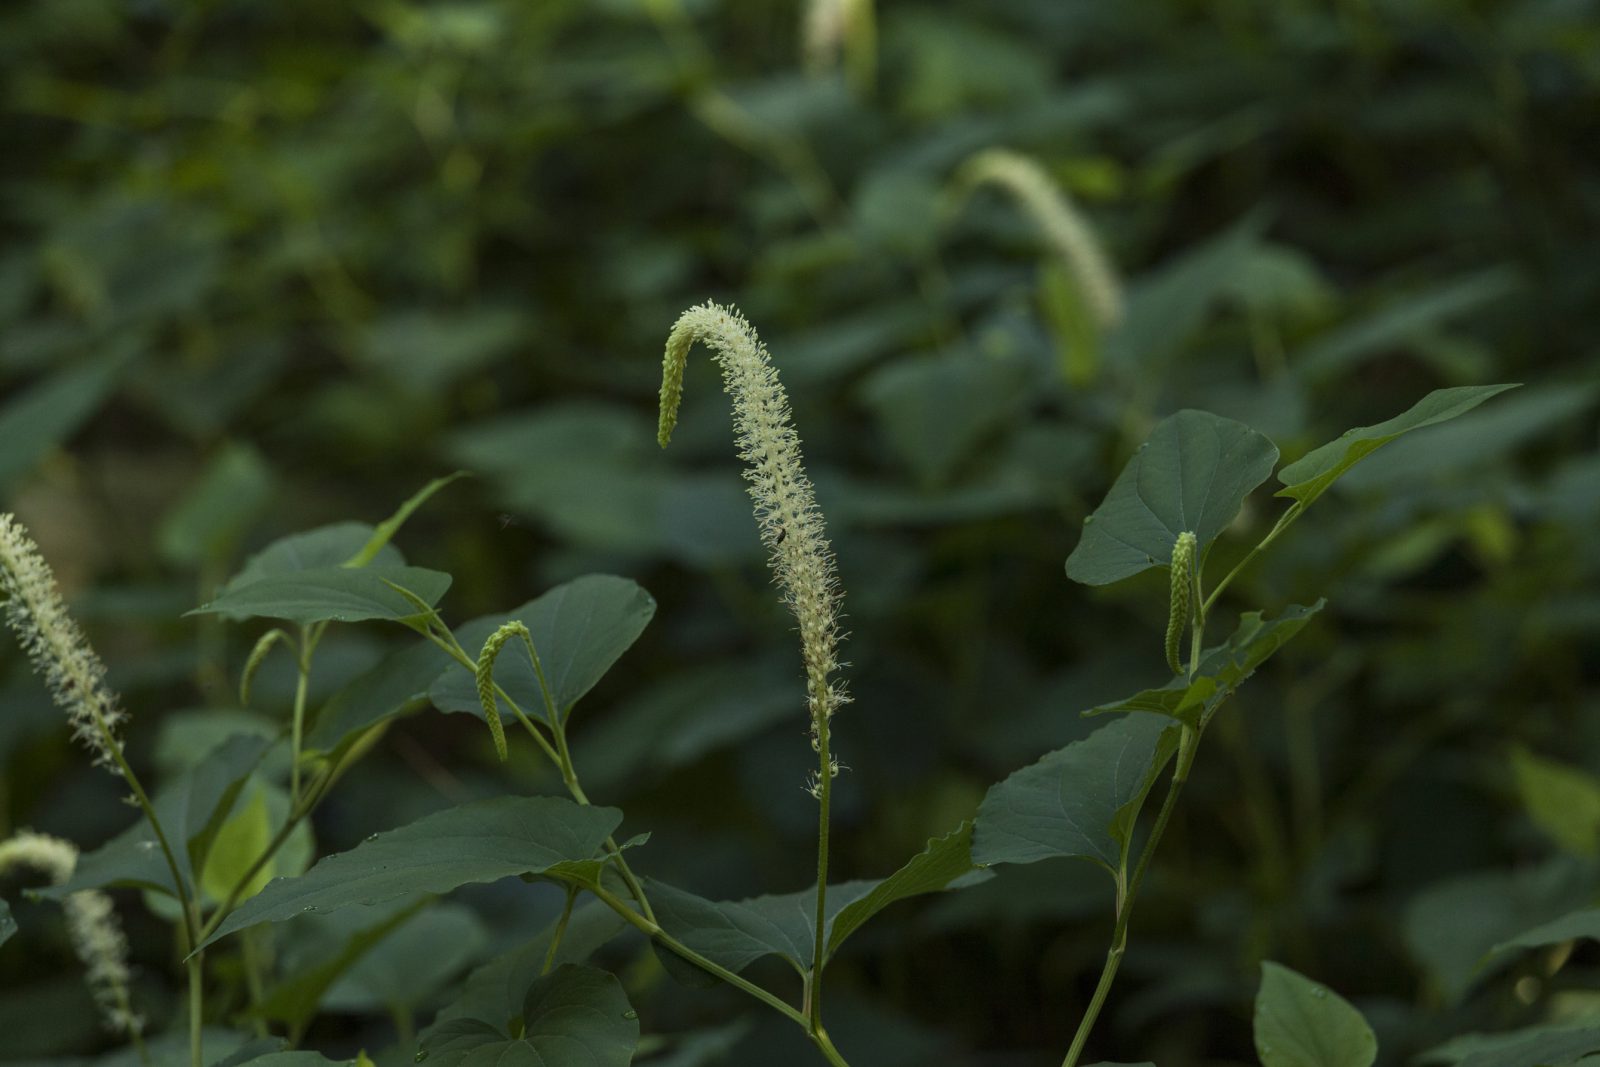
[(486, 695), (92, 925), (1064, 227), (1180, 605), (791, 524), (55, 646)]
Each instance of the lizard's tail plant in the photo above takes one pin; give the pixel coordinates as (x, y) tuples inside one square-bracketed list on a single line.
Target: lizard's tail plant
[(97, 937), (792, 529), (1064, 227), (56, 647), (76, 677)]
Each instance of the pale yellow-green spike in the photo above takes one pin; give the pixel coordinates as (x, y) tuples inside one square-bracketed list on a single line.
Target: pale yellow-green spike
[(1180, 606), (56, 648), (791, 524), (1064, 227)]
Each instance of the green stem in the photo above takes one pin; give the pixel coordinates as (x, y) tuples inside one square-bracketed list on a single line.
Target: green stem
[(251, 956), (1284, 522), (196, 1008), (1119, 935), (824, 799), (653, 931), (308, 804), (825, 1046), (297, 731), (561, 928), (190, 919)]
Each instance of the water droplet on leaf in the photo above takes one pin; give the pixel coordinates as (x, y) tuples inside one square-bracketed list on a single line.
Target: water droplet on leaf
[(630, 1015), (421, 1055)]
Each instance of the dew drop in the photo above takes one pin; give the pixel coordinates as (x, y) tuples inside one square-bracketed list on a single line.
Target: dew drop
[(1318, 992), (630, 1015), (372, 837), (421, 1055), (1088, 520)]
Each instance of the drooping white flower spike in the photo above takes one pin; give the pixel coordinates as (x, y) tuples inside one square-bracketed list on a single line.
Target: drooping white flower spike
[(1064, 227), (92, 925), (56, 647), (791, 524)]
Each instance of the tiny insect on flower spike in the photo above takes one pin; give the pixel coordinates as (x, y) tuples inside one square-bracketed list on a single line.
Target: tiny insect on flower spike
[(55, 646), (1181, 606), (92, 925)]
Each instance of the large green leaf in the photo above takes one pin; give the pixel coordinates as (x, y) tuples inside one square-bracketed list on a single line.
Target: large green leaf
[(192, 809), (1583, 924), (575, 1015), (337, 594), (579, 629), (340, 942), (325, 546), (735, 933), (1191, 475), (1451, 928), (1563, 801), (398, 681), (946, 860), (1299, 1023), (494, 992), (1310, 476), (1223, 668), (1074, 801), (1536, 1047), (483, 841), (420, 958)]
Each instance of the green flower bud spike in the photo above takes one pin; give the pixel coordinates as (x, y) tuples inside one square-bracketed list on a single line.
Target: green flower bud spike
[(486, 695), (1181, 604)]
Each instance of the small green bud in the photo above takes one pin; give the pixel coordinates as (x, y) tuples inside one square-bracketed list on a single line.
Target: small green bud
[(486, 694), (1179, 609), (258, 656)]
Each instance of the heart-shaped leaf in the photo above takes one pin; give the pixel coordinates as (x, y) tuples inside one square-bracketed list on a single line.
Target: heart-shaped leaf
[(479, 842), (325, 546), (388, 689), (573, 1015), (495, 991), (333, 594), (1223, 668), (1302, 1024), (579, 630), (1192, 474), (1076, 800), (945, 861), (1310, 476)]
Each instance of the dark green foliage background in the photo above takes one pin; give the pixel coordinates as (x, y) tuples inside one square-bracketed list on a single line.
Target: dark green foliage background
[(266, 266)]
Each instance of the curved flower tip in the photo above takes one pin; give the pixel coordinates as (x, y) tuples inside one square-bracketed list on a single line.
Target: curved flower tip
[(791, 524), (56, 648), (92, 925), (1064, 227)]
